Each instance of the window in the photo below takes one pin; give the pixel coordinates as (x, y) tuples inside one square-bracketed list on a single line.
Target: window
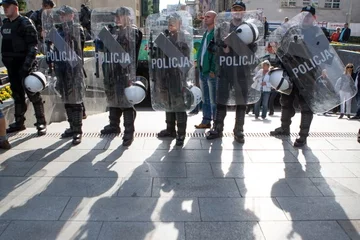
[(332, 4), (288, 3), (314, 3)]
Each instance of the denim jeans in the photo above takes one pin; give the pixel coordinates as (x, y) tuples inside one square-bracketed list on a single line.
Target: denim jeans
[(264, 100), (208, 88)]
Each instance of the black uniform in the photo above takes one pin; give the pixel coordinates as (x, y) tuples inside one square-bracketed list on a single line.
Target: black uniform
[(303, 88), (19, 48), (235, 77), (116, 79), (70, 79), (172, 83)]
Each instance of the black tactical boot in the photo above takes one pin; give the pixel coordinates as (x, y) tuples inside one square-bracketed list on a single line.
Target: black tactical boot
[(77, 115), (300, 142), (217, 130), (170, 126), (69, 132), (114, 117), (239, 124), (280, 131), (18, 125), (129, 119), (306, 119), (181, 118), (40, 118)]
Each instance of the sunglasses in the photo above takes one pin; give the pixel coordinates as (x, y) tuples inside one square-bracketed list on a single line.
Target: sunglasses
[(349, 67)]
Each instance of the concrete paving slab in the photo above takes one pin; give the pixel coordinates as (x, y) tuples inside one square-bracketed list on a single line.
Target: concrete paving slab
[(3, 226), (69, 155), (353, 184), (80, 169), (303, 230), (133, 209), (331, 188), (116, 143), (345, 144), (15, 169), (91, 143), (268, 156), (143, 230), (135, 187), (320, 208), (32, 208), (343, 156), (81, 187), (42, 143), (352, 228), (108, 169), (353, 167), (198, 170), (303, 187), (167, 169), (316, 144), (23, 186), (54, 230), (240, 209), (263, 187), (310, 156), (15, 155), (223, 231), (194, 187), (328, 170)]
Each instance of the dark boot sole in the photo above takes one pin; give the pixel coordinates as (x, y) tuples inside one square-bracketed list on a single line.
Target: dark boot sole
[(12, 130), (110, 131)]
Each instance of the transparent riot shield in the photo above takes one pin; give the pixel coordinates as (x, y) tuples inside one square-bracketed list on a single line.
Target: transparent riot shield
[(236, 36), (312, 63), (116, 39), (64, 33), (171, 62)]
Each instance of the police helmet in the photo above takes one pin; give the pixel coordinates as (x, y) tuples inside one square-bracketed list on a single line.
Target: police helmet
[(136, 92), (248, 32), (65, 9), (197, 96), (35, 82), (280, 82), (122, 11)]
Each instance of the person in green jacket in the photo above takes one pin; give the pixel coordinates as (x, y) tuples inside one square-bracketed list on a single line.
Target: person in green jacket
[(206, 65)]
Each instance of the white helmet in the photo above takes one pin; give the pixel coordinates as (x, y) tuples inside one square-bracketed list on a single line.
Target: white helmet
[(136, 92), (248, 32), (196, 92), (35, 82), (280, 82)]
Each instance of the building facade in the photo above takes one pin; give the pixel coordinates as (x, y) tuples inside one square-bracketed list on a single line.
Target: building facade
[(338, 11), (134, 4)]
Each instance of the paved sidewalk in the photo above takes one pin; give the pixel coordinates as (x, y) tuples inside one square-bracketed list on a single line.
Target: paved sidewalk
[(263, 189)]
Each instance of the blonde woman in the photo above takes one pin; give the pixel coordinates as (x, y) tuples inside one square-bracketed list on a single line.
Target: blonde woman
[(342, 86), (262, 84)]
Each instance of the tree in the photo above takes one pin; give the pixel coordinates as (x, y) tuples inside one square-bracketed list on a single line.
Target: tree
[(150, 7)]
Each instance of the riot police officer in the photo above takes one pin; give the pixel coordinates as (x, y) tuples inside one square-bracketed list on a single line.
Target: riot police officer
[(117, 78), (36, 17), (19, 48), (69, 69), (173, 82), (235, 77), (287, 101)]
